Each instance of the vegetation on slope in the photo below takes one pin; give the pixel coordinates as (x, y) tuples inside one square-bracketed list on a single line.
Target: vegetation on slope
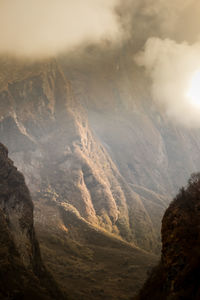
[(178, 274)]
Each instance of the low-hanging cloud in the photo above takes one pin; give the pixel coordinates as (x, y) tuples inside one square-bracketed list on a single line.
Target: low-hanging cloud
[(170, 29), (171, 67), (47, 27), (171, 55), (174, 19)]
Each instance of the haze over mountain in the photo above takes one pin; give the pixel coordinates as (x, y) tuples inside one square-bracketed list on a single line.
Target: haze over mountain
[(83, 205), (98, 120)]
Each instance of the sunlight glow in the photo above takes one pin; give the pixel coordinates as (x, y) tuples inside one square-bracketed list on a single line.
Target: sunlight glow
[(193, 94)]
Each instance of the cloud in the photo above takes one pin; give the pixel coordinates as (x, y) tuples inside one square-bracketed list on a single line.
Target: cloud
[(171, 55), (172, 67), (174, 19), (47, 27), (170, 29)]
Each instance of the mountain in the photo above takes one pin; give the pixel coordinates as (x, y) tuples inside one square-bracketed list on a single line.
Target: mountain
[(83, 205), (49, 137), (101, 161), (150, 150), (154, 154), (177, 276), (22, 272)]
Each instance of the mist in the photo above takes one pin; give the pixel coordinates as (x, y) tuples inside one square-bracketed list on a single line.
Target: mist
[(171, 67), (142, 19), (42, 28), (163, 38)]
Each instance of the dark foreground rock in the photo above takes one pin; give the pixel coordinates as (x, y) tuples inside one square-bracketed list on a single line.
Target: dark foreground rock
[(22, 273), (178, 274)]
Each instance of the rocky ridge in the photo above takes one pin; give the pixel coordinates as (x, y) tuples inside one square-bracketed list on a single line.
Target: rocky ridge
[(22, 272), (177, 276), (75, 185), (48, 133), (96, 154)]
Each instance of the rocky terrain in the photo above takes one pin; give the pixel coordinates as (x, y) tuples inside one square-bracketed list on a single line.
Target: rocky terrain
[(150, 150), (177, 276), (22, 272), (101, 162), (83, 205)]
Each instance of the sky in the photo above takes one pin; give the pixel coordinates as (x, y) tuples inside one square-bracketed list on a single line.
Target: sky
[(48, 27), (163, 38), (40, 28), (170, 55)]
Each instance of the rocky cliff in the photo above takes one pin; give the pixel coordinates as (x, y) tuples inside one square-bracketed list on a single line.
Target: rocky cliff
[(50, 139), (97, 154), (22, 273), (177, 276), (154, 155), (150, 150), (83, 204)]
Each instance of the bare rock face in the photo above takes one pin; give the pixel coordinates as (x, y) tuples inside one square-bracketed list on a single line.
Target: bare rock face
[(18, 208), (100, 159), (150, 150), (98, 155), (177, 276), (22, 273), (83, 204), (50, 139)]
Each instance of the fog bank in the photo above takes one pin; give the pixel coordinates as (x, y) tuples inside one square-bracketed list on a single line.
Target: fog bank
[(37, 28)]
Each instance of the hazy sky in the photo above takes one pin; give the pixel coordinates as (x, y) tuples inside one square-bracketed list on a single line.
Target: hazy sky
[(163, 38), (171, 66), (47, 27), (175, 19), (171, 55)]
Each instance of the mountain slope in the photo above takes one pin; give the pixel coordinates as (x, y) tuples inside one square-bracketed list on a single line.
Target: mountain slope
[(84, 208), (48, 133), (177, 276), (149, 149), (88, 262), (22, 273), (99, 150)]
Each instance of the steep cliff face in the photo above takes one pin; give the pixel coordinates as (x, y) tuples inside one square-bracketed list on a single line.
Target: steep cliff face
[(22, 273), (83, 205), (50, 139), (177, 276), (97, 154), (149, 149), (154, 155)]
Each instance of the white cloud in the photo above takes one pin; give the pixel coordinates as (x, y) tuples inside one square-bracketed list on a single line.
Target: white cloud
[(46, 27), (171, 67)]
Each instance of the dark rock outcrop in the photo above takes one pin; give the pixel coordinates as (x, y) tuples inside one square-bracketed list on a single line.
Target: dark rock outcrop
[(178, 274), (22, 273)]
